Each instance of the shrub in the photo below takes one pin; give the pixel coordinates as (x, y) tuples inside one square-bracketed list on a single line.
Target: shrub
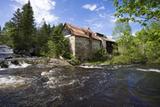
[(100, 55), (121, 60), (74, 61)]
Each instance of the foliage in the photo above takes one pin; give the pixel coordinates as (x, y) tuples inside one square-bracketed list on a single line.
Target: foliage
[(101, 54), (17, 29), (51, 42), (42, 37), (20, 30), (21, 33), (142, 48), (6, 34), (74, 61), (60, 41), (140, 11), (120, 28), (27, 28), (67, 53), (52, 49), (150, 38), (121, 59)]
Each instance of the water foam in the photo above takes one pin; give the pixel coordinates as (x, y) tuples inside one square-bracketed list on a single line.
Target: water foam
[(150, 70), (13, 66), (12, 81), (90, 66), (21, 65)]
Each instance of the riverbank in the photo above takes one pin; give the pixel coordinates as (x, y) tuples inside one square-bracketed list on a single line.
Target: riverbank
[(25, 62), (122, 62)]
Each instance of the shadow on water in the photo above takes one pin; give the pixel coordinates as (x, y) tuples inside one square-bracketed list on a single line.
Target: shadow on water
[(79, 87)]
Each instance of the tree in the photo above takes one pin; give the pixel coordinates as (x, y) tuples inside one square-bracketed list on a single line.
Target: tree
[(140, 11), (7, 33), (17, 29), (143, 47), (58, 39), (28, 28), (59, 43), (121, 28), (150, 40), (43, 35)]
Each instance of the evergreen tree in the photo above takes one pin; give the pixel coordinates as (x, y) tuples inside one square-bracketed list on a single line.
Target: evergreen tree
[(17, 29), (43, 35), (61, 47), (28, 28), (59, 40)]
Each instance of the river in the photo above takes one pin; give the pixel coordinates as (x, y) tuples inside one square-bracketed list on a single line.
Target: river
[(111, 86)]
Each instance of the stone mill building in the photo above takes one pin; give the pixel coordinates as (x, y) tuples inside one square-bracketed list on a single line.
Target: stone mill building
[(84, 42)]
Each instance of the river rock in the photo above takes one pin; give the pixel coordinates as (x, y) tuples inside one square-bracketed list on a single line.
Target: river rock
[(58, 62), (4, 64)]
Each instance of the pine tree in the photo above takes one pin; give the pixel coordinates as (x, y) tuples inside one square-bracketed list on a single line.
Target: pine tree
[(61, 44), (43, 35), (28, 28), (17, 29)]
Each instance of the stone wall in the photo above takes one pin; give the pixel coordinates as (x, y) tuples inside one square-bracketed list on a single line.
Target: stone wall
[(82, 48), (96, 45), (104, 44)]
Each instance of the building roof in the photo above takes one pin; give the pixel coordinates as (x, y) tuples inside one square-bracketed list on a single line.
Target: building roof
[(105, 37), (87, 33)]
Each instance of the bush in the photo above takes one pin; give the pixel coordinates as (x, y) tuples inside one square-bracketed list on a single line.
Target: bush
[(67, 55), (52, 49), (100, 55), (121, 60), (74, 61)]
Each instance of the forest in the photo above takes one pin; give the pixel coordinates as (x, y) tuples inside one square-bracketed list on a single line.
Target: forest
[(22, 34)]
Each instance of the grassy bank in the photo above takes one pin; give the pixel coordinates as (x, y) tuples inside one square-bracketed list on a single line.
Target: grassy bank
[(124, 60)]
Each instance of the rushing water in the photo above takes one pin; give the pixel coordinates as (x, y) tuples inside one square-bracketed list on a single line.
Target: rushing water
[(37, 86)]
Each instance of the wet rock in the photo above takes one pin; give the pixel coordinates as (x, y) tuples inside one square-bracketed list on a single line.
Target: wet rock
[(13, 81), (44, 74), (15, 62), (4, 64), (58, 62)]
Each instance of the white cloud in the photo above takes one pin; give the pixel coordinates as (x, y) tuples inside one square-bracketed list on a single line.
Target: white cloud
[(100, 8), (93, 7), (42, 9), (90, 7)]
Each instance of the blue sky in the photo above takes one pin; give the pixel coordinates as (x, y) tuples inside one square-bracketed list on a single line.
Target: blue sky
[(98, 15)]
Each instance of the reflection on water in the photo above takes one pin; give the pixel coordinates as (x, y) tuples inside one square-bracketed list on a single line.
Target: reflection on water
[(79, 87)]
